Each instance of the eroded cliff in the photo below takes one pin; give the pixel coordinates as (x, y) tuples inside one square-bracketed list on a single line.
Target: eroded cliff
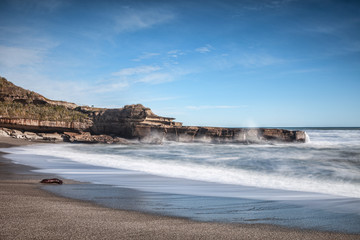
[(25, 110)]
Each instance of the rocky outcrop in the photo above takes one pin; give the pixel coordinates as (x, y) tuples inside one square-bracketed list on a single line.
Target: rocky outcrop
[(86, 137), (217, 134), (52, 181), (32, 136), (131, 121), (73, 137), (75, 123)]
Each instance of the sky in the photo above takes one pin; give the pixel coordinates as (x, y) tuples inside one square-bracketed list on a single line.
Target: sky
[(273, 63)]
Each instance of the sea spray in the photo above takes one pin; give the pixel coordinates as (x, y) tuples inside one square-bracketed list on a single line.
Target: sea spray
[(313, 185), (307, 138), (329, 164)]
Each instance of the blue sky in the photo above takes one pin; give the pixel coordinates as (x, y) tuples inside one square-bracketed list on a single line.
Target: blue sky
[(212, 63)]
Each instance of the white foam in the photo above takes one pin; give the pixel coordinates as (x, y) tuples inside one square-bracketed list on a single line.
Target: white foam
[(307, 138), (332, 138), (204, 171)]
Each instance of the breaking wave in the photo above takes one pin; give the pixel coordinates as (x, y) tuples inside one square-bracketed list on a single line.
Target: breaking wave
[(328, 164)]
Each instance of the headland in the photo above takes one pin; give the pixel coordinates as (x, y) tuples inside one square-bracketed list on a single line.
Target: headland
[(28, 115)]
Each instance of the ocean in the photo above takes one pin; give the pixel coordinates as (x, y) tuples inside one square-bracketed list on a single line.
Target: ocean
[(312, 185)]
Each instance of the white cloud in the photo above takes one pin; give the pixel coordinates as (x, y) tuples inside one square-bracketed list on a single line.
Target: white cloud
[(207, 48), (149, 99), (340, 34), (136, 71), (202, 50), (42, 6), (156, 78), (23, 47), (110, 87), (258, 60), (175, 53), (130, 19), (261, 5), (146, 55), (214, 107), (244, 60), (11, 57), (49, 5), (145, 74), (301, 71)]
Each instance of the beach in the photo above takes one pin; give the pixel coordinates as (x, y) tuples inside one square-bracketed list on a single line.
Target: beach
[(28, 212)]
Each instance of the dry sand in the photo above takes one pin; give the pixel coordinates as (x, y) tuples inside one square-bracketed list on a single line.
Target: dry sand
[(27, 212)]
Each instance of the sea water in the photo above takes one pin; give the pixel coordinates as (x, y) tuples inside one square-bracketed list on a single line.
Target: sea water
[(313, 185)]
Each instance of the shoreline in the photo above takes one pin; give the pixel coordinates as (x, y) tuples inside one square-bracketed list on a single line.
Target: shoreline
[(31, 212)]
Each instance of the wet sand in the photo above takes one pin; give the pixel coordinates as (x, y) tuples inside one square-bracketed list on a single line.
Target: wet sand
[(28, 212)]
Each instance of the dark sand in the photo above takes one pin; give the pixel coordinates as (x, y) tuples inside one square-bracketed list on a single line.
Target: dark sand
[(27, 212)]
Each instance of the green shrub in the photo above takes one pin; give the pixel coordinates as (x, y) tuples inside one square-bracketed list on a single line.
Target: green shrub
[(40, 112)]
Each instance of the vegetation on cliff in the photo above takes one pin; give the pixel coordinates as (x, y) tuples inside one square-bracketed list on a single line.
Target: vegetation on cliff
[(16, 102), (10, 92), (40, 112)]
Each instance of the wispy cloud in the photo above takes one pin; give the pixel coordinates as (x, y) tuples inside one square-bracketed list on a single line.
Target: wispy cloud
[(130, 19), (156, 78), (338, 33), (265, 4), (42, 6), (303, 71), (324, 29), (205, 49), (147, 99), (23, 47), (258, 60), (245, 60), (146, 55), (203, 107), (109, 87), (145, 74), (175, 53), (11, 57), (136, 71)]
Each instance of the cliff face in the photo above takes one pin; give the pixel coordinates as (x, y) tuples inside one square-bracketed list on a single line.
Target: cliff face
[(29, 111), (44, 126), (132, 121), (216, 134)]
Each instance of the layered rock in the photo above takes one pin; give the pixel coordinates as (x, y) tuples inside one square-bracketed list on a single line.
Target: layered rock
[(131, 121), (218, 134), (32, 136), (44, 126), (86, 137), (87, 124)]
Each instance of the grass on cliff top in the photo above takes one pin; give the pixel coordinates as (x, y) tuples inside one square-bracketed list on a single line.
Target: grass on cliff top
[(7, 87), (40, 112)]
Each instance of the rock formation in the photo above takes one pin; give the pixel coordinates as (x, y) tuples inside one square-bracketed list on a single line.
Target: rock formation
[(25, 110), (36, 125), (52, 180)]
